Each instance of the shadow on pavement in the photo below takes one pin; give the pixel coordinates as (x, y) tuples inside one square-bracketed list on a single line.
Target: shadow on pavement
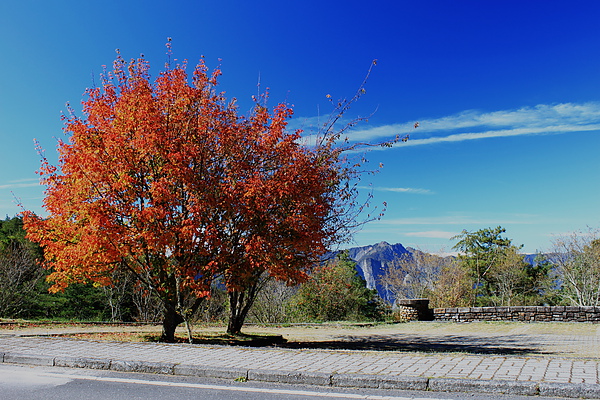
[(499, 345)]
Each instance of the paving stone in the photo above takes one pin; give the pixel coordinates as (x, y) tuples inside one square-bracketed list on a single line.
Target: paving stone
[(350, 368)]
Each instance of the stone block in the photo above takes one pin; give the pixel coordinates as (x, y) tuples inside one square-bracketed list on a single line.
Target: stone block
[(31, 359), (142, 366), (572, 390), (483, 386), (379, 381), (292, 377), (209, 372), (76, 362)]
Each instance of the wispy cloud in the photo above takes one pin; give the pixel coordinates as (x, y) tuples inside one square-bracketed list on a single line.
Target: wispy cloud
[(397, 189), (432, 234), (500, 133), (472, 125), (460, 220), (20, 184)]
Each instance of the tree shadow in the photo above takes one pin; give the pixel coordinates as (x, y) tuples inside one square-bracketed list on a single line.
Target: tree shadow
[(249, 340), (497, 345)]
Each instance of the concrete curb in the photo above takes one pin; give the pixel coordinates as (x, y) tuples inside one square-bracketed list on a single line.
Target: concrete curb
[(76, 362), (28, 359), (142, 366), (573, 390), (569, 390), (483, 386), (292, 377), (379, 381), (210, 372)]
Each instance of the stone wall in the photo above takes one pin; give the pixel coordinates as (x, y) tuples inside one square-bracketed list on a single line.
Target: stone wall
[(414, 309), (405, 314), (527, 314)]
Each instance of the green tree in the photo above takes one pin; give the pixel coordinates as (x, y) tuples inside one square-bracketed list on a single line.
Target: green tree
[(12, 230), (499, 274), (336, 292), (20, 274), (544, 281)]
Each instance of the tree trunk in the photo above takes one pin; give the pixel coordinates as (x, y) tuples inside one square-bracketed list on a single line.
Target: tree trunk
[(236, 312), (186, 314), (171, 319), (239, 305)]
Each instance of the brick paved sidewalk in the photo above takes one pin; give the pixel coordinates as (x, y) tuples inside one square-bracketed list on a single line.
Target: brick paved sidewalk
[(580, 377)]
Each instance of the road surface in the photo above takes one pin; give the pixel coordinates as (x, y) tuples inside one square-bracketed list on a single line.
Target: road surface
[(35, 382)]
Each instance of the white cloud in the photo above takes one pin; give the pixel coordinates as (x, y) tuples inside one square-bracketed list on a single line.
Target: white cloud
[(397, 190), (473, 124), (432, 234), (20, 184), (461, 220), (500, 133)]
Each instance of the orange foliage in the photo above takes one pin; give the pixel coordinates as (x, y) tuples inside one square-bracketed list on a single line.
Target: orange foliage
[(164, 178)]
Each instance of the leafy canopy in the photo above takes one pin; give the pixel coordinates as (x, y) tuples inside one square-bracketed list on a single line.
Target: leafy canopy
[(165, 179)]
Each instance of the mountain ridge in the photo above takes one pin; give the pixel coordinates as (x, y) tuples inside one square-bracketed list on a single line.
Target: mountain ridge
[(372, 261)]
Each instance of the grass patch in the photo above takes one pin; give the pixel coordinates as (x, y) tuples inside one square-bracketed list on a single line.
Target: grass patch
[(243, 339), (32, 324), (250, 339), (135, 337)]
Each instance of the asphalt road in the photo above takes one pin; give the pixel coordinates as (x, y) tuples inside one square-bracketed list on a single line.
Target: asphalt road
[(34, 382)]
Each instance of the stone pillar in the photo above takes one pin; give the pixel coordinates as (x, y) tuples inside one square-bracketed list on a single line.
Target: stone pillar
[(420, 305)]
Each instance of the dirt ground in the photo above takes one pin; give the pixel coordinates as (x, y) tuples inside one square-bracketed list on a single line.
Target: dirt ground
[(579, 340)]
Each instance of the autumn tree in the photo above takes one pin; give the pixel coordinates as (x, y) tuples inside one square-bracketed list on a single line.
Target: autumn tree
[(577, 258), (441, 279), (453, 288), (272, 302), (163, 178), (509, 279), (413, 276)]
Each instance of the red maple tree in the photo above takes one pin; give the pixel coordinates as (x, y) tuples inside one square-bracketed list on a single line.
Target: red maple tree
[(165, 179)]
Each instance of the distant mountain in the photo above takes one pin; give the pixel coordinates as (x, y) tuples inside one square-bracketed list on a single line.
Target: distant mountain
[(371, 262)]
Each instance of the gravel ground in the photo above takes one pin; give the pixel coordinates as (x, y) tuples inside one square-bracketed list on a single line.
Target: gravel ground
[(577, 340)]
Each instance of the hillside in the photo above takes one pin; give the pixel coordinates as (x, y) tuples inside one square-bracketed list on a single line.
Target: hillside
[(371, 261)]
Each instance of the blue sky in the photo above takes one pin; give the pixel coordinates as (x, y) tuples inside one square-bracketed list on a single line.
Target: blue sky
[(507, 94)]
